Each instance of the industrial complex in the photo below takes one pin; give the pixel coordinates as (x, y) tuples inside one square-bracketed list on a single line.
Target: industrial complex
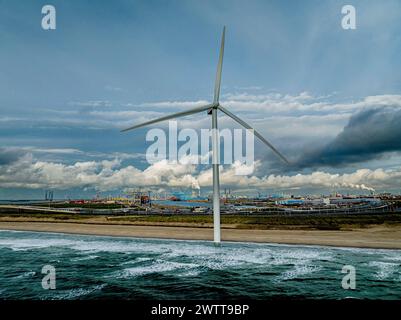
[(146, 202)]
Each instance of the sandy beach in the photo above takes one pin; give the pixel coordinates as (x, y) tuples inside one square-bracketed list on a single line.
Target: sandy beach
[(372, 237)]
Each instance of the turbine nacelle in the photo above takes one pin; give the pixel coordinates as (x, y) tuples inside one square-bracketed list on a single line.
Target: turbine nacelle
[(214, 106)]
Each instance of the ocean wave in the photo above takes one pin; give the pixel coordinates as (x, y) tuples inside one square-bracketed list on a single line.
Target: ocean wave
[(221, 258), (28, 274), (204, 253), (77, 292), (298, 271), (33, 243), (232, 267), (87, 245), (385, 269), (85, 258), (159, 266), (393, 256), (191, 273)]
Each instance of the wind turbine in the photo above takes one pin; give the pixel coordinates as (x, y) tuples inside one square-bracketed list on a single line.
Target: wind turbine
[(212, 109)]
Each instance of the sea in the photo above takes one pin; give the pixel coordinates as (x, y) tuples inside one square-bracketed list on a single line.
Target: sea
[(99, 267)]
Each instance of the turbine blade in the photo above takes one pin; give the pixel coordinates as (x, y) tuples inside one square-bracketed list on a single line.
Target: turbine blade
[(247, 126), (171, 116), (219, 68)]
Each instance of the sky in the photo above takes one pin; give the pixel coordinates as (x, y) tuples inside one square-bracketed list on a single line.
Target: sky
[(326, 97)]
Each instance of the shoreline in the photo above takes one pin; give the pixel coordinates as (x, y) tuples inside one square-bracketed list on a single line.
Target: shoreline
[(376, 237)]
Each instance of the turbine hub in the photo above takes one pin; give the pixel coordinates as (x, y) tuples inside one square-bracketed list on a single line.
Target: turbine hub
[(214, 106)]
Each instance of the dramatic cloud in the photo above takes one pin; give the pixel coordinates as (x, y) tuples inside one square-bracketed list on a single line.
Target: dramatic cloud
[(301, 116), (9, 155), (311, 132), (111, 175), (369, 134)]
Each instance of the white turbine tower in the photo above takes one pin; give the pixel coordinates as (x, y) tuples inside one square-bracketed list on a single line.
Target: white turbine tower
[(212, 109)]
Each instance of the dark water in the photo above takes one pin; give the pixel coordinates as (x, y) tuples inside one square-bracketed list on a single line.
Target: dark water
[(90, 267)]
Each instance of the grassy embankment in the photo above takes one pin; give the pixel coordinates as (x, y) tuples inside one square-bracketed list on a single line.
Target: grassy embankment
[(300, 222)]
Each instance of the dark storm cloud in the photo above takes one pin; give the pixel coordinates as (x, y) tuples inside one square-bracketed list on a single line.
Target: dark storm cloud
[(368, 135), (8, 156)]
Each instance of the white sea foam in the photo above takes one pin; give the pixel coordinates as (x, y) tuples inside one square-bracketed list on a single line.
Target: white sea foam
[(27, 274), (77, 292), (33, 243), (385, 269), (393, 256), (195, 258), (81, 245), (135, 261), (141, 259), (260, 256), (191, 273), (203, 253), (298, 271), (85, 258), (117, 246), (159, 266)]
